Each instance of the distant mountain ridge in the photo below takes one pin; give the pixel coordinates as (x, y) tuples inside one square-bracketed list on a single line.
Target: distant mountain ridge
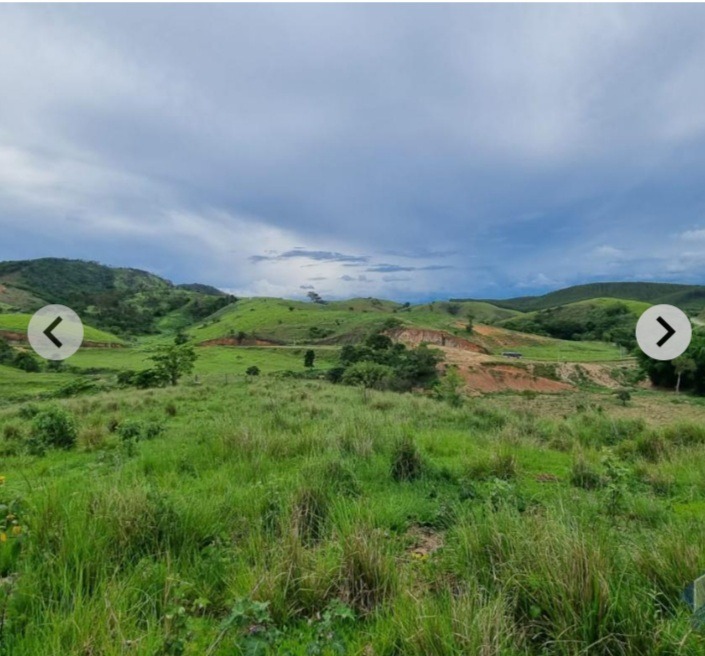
[(690, 298)]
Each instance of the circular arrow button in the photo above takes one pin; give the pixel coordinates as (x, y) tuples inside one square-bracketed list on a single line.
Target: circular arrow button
[(55, 332), (663, 332)]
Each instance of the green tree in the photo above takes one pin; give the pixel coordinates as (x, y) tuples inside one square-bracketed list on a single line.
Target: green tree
[(315, 298), (470, 323), (309, 358), (683, 365), (173, 361), (253, 370), (450, 387)]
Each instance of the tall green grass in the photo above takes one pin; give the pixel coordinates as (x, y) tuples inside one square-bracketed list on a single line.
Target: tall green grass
[(273, 517)]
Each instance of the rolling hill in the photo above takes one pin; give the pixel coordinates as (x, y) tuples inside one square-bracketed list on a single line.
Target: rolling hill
[(119, 300), (691, 298)]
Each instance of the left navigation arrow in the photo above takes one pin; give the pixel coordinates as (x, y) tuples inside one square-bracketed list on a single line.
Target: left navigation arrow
[(48, 331), (55, 332)]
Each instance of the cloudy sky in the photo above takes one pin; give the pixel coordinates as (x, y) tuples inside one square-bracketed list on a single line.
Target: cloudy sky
[(409, 151)]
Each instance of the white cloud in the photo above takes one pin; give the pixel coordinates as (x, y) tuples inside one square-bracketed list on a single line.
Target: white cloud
[(609, 252), (697, 234)]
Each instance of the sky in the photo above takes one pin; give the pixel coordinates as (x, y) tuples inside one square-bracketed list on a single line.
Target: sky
[(400, 151)]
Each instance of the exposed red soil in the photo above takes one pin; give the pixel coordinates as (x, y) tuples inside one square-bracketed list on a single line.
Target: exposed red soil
[(501, 378), (13, 337), (482, 374), (416, 336)]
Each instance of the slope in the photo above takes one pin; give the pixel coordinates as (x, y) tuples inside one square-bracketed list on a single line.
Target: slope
[(689, 297), (119, 300)]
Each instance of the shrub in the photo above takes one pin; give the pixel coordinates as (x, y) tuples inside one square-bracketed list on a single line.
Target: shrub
[(26, 362), (29, 411), (55, 427), (651, 447), (144, 379), (253, 371), (137, 430), (407, 464), (584, 475), (369, 374), (501, 465), (685, 434), (75, 387), (11, 432)]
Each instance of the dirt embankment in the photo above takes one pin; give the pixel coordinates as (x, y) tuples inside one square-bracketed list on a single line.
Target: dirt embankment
[(416, 336), (15, 338), (483, 374)]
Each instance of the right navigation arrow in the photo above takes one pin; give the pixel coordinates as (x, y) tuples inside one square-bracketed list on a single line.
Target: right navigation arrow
[(669, 331)]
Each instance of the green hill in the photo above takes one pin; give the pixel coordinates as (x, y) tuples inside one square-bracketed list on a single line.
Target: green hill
[(690, 298), (602, 319), (291, 322), (118, 300)]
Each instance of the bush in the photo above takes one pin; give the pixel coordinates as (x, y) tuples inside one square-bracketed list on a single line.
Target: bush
[(584, 475), (407, 464), (144, 379), (137, 430), (78, 386), (26, 362), (369, 374), (501, 465), (55, 427), (29, 411), (253, 371)]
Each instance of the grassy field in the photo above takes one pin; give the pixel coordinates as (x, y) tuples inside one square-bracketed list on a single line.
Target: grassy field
[(18, 322), (211, 360), (275, 517), (565, 351), (16, 384), (273, 319)]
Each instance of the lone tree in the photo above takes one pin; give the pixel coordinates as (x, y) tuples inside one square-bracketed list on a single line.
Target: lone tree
[(253, 370), (470, 325), (309, 358), (315, 297), (683, 365), (173, 361)]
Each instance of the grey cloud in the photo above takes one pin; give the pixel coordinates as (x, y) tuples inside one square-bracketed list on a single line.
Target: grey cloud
[(389, 268), (319, 256), (389, 129), (361, 278), (396, 268)]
